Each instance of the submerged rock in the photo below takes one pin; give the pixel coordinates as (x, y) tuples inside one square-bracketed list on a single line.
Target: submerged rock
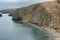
[(10, 15), (0, 15)]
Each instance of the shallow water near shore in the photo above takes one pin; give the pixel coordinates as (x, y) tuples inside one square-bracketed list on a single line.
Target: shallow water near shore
[(10, 30)]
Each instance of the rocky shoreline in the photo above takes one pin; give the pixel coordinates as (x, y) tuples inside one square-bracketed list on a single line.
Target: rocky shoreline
[(51, 34)]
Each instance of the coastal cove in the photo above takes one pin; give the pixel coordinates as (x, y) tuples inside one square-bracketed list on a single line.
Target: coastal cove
[(10, 30), (40, 21)]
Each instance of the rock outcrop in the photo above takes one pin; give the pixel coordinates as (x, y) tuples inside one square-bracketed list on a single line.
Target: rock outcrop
[(42, 14)]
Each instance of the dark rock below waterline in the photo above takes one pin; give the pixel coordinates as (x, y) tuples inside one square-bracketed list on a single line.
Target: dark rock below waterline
[(18, 18), (0, 15), (15, 19), (10, 15)]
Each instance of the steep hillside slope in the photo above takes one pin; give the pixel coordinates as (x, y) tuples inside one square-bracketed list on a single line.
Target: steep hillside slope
[(54, 9), (42, 14)]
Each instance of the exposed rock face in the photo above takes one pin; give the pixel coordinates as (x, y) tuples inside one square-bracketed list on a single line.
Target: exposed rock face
[(43, 14)]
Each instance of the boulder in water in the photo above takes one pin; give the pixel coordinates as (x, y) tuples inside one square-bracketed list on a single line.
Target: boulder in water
[(0, 15), (10, 15)]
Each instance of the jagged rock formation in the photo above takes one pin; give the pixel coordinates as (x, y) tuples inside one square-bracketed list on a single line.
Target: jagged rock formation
[(42, 14)]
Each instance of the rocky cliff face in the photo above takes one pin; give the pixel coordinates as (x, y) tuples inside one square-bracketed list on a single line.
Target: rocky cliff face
[(42, 14)]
